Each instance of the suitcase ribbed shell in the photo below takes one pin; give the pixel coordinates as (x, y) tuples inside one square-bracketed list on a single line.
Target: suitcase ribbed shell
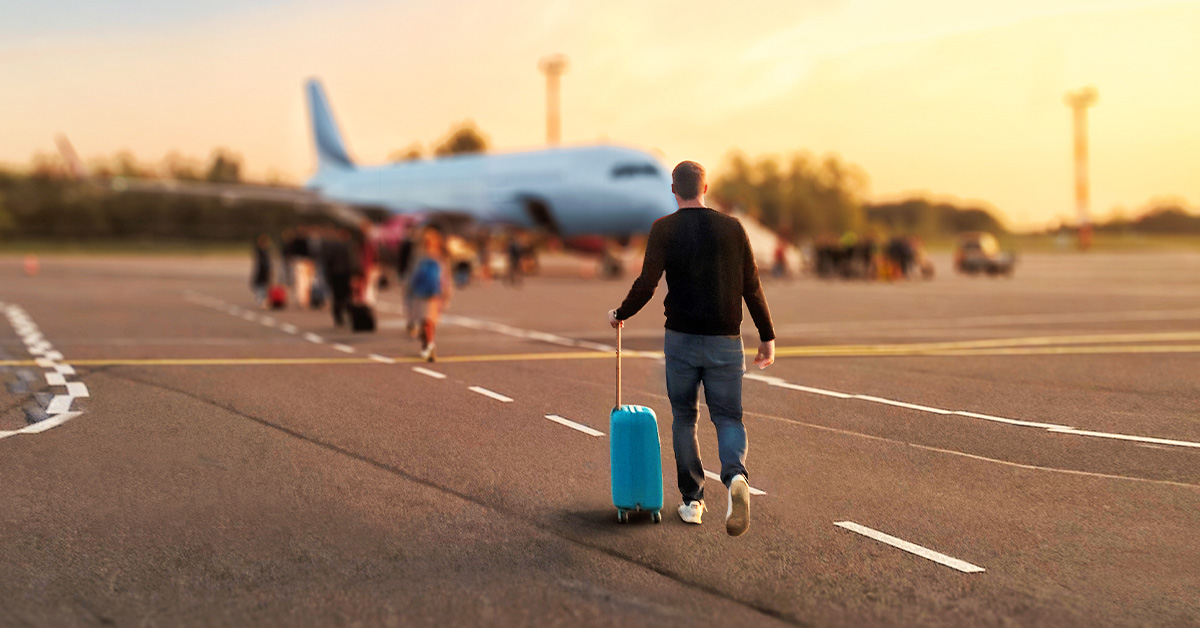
[(636, 459)]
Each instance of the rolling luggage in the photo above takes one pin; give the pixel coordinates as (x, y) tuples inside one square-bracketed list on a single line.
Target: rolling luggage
[(362, 317), (636, 461), (277, 297), (316, 296), (362, 314)]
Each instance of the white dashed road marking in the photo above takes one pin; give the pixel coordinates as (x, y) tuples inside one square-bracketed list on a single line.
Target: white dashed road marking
[(58, 408), (1139, 439), (901, 404), (488, 393), (999, 419), (912, 548), (59, 404), (1051, 427), (42, 426), (508, 330), (425, 371), (779, 383), (573, 425), (270, 321)]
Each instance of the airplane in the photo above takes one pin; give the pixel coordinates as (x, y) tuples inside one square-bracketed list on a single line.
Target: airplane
[(598, 190), (570, 192)]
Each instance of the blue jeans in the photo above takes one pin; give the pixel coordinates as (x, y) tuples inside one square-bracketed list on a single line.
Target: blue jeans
[(719, 363)]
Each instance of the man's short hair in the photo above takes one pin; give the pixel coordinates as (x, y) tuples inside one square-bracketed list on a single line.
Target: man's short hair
[(688, 180)]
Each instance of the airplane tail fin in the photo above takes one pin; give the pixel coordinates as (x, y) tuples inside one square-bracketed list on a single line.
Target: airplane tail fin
[(74, 163), (331, 151)]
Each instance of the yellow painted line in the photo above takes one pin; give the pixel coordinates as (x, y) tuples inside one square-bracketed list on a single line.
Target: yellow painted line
[(1134, 349), (998, 351), (504, 357), (1068, 340), (220, 361), (986, 343), (517, 357), (786, 352), (207, 361)]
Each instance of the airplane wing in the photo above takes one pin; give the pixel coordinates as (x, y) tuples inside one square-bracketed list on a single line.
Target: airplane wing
[(229, 192), (302, 199)]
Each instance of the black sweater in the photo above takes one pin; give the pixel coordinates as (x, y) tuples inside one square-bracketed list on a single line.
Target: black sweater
[(710, 269)]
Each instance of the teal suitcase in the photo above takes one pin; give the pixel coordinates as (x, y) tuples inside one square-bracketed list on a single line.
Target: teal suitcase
[(636, 459)]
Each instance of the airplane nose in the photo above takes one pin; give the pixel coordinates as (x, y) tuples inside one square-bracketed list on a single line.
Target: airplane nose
[(664, 203)]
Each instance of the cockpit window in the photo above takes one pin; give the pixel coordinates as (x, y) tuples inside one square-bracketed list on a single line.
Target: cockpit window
[(634, 170)]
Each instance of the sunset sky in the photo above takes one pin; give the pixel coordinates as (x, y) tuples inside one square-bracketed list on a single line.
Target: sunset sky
[(938, 97)]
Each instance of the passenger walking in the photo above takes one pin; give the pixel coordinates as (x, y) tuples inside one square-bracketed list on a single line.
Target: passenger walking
[(516, 254), (287, 254), (430, 289), (303, 270), (405, 261), (404, 257), (260, 273), (339, 268), (710, 269), (367, 249), (310, 266)]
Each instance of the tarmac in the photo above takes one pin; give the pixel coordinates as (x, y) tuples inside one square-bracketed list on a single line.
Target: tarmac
[(961, 451)]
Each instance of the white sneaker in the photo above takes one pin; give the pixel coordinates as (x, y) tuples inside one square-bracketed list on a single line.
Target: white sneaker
[(428, 353), (691, 511), (737, 517)]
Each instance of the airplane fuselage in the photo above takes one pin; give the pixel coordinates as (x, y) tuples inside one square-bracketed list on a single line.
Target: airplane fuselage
[(587, 190)]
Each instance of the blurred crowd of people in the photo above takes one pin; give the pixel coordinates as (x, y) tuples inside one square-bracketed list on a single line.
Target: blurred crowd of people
[(870, 258), (316, 265)]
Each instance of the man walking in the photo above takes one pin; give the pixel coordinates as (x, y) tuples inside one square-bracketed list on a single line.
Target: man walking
[(710, 269), (339, 269)]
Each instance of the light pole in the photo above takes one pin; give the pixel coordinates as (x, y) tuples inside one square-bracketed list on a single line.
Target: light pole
[(553, 67), (1079, 101)]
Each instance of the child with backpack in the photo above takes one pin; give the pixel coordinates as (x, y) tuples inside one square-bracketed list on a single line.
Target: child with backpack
[(429, 287)]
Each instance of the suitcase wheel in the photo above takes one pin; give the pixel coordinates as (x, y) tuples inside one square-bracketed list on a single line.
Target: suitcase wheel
[(656, 516), (622, 516)]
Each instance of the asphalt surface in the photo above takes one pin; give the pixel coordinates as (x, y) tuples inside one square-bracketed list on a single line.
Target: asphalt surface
[(226, 469)]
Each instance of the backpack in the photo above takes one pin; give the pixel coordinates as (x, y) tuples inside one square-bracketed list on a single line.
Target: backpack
[(427, 279)]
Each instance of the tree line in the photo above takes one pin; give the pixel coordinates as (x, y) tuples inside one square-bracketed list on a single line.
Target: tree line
[(801, 196), (1162, 217), (48, 202)]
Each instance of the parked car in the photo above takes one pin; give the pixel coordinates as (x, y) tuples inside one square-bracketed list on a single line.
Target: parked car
[(979, 252)]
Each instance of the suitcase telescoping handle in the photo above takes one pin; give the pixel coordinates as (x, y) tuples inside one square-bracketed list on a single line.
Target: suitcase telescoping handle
[(618, 367)]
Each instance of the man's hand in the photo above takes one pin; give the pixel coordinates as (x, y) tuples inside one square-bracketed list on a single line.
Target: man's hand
[(612, 319), (766, 355)]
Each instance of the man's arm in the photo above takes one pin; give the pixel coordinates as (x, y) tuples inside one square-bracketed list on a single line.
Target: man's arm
[(652, 269), (752, 292)]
